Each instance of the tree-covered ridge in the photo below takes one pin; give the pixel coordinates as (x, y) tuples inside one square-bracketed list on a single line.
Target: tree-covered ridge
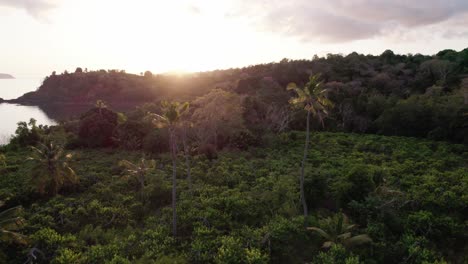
[(409, 95), (408, 195)]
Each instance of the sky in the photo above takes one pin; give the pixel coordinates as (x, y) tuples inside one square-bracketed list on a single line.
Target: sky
[(41, 36)]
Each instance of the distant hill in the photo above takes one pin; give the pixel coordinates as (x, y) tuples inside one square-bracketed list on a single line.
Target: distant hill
[(6, 76), (114, 87), (354, 74), (392, 94)]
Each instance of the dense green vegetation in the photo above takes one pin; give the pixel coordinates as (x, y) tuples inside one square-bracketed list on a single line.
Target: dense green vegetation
[(408, 195), (247, 170)]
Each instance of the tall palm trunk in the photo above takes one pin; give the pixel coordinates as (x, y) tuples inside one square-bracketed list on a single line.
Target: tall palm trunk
[(187, 159), (306, 148), (141, 179), (174, 190)]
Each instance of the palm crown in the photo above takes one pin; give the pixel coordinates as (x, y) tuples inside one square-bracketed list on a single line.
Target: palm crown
[(51, 171), (171, 113), (312, 97), (138, 169), (10, 221), (338, 230)]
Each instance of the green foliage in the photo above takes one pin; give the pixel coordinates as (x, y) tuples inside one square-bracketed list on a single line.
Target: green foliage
[(338, 230), (96, 127), (67, 256), (10, 223), (355, 185), (407, 194), (28, 134), (336, 255), (51, 171)]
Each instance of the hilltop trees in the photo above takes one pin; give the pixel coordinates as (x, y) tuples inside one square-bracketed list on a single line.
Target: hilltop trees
[(218, 117), (312, 98)]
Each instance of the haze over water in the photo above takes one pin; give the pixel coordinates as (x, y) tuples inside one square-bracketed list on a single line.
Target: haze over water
[(11, 114)]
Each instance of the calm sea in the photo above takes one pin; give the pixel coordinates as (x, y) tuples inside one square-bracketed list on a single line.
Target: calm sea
[(11, 114)]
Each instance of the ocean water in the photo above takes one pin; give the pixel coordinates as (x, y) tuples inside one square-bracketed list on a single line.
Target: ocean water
[(11, 114)]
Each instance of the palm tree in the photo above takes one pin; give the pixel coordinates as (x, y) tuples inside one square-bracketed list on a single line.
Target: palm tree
[(51, 171), (313, 99), (100, 104), (138, 170), (338, 230), (171, 114), (10, 221)]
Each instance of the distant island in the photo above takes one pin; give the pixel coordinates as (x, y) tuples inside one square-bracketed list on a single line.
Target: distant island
[(6, 76)]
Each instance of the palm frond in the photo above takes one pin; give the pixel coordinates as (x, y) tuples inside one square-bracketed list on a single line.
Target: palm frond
[(183, 108), (328, 244), (10, 213), (320, 231), (357, 240), (291, 86)]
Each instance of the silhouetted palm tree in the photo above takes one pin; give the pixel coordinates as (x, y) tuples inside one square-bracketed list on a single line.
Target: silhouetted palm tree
[(171, 114), (312, 97), (51, 171), (338, 230)]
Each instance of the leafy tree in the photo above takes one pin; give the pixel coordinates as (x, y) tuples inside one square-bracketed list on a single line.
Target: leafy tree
[(51, 171), (338, 230), (27, 133), (437, 70), (96, 127), (336, 255), (148, 74), (218, 117), (170, 118), (312, 98), (10, 221)]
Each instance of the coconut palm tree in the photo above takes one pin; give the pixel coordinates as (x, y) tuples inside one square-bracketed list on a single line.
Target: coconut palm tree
[(170, 118), (138, 170), (312, 98), (100, 104), (338, 230), (51, 170), (10, 221)]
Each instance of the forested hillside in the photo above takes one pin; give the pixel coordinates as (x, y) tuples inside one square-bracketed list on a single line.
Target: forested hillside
[(409, 95), (346, 160)]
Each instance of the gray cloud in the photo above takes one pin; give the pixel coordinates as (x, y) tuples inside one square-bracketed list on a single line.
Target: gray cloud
[(36, 8), (347, 20)]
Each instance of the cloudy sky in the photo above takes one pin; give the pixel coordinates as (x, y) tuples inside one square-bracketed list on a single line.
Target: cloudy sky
[(40, 36)]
